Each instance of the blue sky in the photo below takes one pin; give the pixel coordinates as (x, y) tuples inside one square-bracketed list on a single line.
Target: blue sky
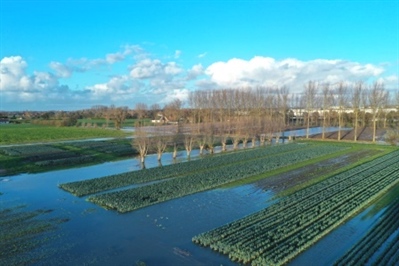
[(75, 54)]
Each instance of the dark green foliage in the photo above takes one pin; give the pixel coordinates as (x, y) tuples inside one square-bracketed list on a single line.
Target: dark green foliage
[(276, 234), (131, 199)]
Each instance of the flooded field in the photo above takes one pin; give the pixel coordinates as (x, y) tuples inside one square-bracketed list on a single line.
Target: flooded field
[(160, 234)]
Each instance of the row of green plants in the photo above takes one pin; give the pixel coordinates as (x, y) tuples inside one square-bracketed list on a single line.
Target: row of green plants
[(131, 199), (276, 234), (29, 150), (91, 186), (66, 161), (115, 147), (41, 157), (373, 241)]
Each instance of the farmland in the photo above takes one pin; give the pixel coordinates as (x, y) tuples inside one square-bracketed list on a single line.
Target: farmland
[(193, 182), (44, 157), (29, 133), (214, 209), (278, 233)]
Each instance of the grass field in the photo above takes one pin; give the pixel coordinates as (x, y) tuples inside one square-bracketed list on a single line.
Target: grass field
[(28, 133), (101, 121)]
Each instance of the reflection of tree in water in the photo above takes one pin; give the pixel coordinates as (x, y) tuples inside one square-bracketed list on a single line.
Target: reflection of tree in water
[(25, 235)]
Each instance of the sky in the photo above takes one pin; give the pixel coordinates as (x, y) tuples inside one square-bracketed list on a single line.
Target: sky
[(75, 54)]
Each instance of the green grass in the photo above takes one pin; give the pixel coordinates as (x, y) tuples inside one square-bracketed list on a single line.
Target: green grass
[(28, 133)]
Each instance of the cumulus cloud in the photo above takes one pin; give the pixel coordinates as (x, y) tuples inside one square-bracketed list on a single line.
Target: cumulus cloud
[(160, 81), (195, 71), (65, 70), (154, 68), (116, 89), (17, 85), (266, 71)]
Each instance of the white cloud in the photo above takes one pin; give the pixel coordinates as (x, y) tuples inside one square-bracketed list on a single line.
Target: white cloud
[(18, 86), (160, 81), (116, 89), (195, 71), (202, 55), (266, 71), (65, 70), (177, 53), (154, 68)]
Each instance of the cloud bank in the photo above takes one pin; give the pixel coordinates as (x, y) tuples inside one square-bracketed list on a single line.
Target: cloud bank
[(155, 80)]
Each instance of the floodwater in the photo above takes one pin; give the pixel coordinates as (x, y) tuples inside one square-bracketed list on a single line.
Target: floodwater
[(156, 235)]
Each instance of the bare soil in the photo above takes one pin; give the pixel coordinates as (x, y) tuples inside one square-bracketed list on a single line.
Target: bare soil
[(281, 182)]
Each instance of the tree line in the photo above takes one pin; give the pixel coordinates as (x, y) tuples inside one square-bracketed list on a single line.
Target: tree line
[(256, 115)]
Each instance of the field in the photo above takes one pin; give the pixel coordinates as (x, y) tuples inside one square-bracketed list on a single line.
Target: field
[(28, 133), (276, 234), (43, 157), (254, 206), (100, 122)]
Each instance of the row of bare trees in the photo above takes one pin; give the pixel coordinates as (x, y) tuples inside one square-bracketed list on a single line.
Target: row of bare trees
[(257, 115)]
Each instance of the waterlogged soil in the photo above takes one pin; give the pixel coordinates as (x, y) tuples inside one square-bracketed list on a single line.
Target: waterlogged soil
[(157, 235), (303, 175)]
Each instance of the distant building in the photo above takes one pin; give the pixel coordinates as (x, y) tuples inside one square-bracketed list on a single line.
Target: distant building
[(4, 120)]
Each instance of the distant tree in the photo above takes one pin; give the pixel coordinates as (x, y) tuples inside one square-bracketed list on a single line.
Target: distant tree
[(310, 93), (119, 115), (342, 100), (141, 111), (376, 96), (326, 105), (356, 101)]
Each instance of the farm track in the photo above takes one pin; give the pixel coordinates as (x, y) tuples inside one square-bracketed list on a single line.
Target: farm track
[(278, 233), (131, 199), (92, 186)]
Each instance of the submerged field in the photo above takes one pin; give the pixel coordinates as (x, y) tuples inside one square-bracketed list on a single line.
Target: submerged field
[(308, 191)]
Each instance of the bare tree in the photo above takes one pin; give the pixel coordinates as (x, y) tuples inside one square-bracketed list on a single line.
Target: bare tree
[(119, 116), (376, 97), (188, 142), (141, 111), (310, 93), (160, 139), (326, 105), (342, 97), (356, 101), (172, 110), (141, 142)]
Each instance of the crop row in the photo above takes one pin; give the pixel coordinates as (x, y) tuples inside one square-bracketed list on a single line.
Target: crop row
[(280, 232), (390, 256), (131, 199), (306, 197), (86, 187), (66, 161), (30, 150), (104, 146), (360, 253)]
